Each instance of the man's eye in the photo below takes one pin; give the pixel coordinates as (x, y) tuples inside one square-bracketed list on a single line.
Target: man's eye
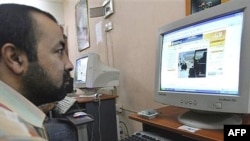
[(60, 51)]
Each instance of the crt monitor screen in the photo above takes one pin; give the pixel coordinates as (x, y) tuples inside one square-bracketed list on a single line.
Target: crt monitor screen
[(81, 69), (202, 64), (203, 58)]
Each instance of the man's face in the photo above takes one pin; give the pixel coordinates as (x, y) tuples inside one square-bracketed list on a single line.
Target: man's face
[(45, 81)]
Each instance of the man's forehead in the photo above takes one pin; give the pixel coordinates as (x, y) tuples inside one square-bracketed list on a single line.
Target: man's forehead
[(48, 28), (43, 20)]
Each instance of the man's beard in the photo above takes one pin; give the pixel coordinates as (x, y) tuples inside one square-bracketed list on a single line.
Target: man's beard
[(39, 88)]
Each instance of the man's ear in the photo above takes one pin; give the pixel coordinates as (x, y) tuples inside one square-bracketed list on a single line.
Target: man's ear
[(12, 58)]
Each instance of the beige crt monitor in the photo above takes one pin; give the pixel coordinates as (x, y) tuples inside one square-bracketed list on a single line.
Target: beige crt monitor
[(203, 65), (91, 74)]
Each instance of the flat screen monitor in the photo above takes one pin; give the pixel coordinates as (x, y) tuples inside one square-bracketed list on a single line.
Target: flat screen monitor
[(203, 65), (92, 74)]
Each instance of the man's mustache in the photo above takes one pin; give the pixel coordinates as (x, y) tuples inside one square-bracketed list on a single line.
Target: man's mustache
[(66, 77)]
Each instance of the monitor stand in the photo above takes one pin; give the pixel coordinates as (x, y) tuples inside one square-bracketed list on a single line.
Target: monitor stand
[(209, 120)]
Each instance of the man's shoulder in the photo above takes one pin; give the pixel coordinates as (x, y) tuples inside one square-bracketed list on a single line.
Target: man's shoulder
[(11, 126)]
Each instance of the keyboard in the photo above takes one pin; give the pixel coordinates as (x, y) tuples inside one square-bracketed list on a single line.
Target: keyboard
[(64, 105), (145, 136)]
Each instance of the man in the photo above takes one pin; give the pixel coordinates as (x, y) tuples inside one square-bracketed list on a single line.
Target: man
[(34, 70)]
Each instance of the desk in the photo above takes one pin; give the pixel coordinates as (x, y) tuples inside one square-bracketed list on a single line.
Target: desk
[(104, 114), (166, 122)]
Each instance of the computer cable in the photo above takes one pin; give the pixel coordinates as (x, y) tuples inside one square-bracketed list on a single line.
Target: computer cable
[(122, 123)]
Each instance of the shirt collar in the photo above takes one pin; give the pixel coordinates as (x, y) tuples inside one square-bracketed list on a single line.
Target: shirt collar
[(17, 103)]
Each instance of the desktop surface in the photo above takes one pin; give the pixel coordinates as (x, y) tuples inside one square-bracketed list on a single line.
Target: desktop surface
[(167, 120), (81, 99)]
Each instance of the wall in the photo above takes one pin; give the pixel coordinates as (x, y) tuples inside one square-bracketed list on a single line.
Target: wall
[(55, 7), (130, 47)]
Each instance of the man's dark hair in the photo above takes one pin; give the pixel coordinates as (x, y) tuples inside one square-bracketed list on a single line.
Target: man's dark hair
[(18, 26)]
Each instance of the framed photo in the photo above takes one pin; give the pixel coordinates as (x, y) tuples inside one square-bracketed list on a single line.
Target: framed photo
[(108, 8), (193, 6), (82, 24)]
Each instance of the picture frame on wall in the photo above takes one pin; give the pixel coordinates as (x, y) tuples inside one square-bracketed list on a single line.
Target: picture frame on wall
[(193, 6), (82, 24)]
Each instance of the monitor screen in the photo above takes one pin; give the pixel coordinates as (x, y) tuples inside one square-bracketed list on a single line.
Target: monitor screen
[(203, 58), (81, 70), (202, 65)]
